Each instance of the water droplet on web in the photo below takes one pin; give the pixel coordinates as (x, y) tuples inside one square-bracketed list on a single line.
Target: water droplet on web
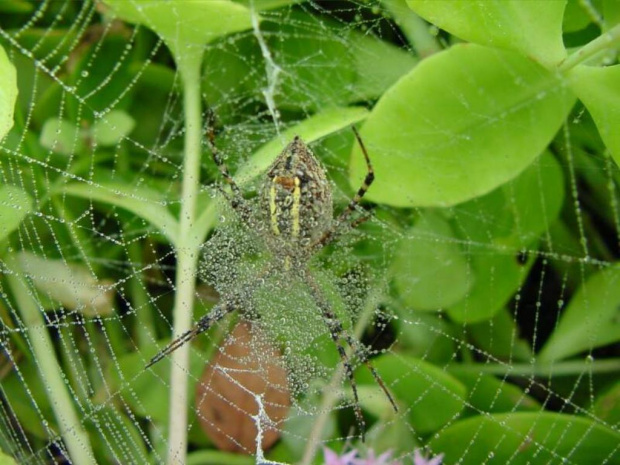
[(84, 74)]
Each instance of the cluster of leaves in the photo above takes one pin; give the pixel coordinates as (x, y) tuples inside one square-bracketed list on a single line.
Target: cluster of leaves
[(496, 165)]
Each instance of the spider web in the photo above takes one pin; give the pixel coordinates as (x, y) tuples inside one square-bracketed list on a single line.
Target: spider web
[(90, 274)]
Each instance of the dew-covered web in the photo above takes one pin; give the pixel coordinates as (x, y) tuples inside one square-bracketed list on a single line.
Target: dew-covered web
[(491, 318)]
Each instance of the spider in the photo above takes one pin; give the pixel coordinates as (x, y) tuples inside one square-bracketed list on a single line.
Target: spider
[(296, 220)]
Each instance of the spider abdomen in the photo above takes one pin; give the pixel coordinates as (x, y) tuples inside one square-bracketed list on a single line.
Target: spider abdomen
[(296, 198)]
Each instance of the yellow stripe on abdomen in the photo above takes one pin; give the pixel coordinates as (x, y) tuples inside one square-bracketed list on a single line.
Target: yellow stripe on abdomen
[(295, 208), (273, 207)]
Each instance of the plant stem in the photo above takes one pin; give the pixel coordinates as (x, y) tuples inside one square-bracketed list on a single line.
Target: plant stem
[(187, 251), (605, 41), (569, 368), (71, 429)]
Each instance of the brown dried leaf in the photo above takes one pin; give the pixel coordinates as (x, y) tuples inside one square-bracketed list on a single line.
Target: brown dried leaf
[(246, 365)]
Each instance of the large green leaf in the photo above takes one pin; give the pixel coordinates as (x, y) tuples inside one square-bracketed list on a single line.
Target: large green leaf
[(185, 26), (527, 438), (599, 90), (8, 93), (463, 122), (533, 28), (591, 319)]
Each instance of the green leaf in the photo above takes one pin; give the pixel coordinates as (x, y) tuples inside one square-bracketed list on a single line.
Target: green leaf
[(61, 136), (112, 128), (463, 122), (315, 127), (144, 202), (185, 27), (421, 388), (120, 440), (147, 395), (500, 338), (607, 406), (592, 318), (498, 276), (533, 28), (522, 438), (486, 393), (512, 217), (8, 93), (15, 204), (430, 270), (71, 286), (6, 460), (599, 90)]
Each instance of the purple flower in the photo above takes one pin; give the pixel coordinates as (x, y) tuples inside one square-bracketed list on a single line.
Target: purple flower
[(351, 458), (383, 459), (419, 459), (332, 458)]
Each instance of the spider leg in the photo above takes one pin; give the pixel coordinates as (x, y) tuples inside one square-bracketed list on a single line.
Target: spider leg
[(216, 314), (360, 353), (338, 333), (357, 198), (236, 200)]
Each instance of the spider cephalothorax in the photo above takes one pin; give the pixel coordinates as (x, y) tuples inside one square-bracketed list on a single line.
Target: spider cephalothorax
[(295, 219), (296, 199)]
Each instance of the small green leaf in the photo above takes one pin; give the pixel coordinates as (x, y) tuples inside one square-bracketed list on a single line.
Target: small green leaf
[(185, 27), (15, 204), (112, 128), (537, 437), (8, 93), (421, 388), (430, 270), (71, 286), (592, 318), (61, 136), (533, 28), (599, 90), (463, 122)]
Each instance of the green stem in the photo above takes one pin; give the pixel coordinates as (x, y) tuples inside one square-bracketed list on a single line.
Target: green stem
[(569, 368), (71, 429), (187, 251), (415, 28), (605, 41)]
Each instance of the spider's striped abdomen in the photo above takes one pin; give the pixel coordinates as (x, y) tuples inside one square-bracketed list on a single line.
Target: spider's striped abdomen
[(296, 199)]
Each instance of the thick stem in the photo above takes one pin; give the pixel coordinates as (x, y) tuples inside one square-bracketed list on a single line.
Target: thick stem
[(68, 420), (187, 255)]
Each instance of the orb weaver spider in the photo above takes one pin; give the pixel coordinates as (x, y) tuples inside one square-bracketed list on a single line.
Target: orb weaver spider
[(296, 222)]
